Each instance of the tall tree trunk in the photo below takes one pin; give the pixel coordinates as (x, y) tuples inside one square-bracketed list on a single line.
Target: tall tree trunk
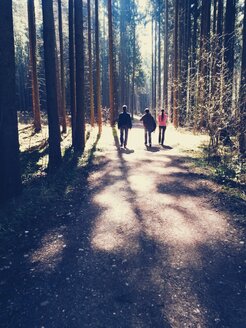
[(98, 70), (242, 93), (159, 57), (79, 58), (10, 179), (155, 67), (229, 42), (72, 70), (33, 65), (203, 90), (133, 68), (122, 54), (63, 97), (92, 117), (111, 65), (175, 68), (51, 84), (166, 55), (152, 63)]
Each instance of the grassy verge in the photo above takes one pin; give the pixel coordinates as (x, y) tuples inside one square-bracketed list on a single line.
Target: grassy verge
[(45, 195)]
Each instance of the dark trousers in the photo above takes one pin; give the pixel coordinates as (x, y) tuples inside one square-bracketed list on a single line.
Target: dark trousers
[(123, 136), (162, 130), (147, 136)]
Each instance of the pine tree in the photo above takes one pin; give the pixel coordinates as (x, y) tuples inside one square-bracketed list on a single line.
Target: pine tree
[(51, 85), (10, 180)]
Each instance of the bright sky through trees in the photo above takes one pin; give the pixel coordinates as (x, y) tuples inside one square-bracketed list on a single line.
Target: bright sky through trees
[(144, 34)]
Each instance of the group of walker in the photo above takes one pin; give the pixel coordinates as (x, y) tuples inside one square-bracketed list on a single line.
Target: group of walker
[(125, 123)]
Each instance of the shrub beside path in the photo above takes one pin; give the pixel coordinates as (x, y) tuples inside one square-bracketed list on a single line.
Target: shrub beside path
[(137, 243)]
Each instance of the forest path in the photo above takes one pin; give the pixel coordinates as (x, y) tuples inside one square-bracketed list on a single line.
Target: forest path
[(143, 247)]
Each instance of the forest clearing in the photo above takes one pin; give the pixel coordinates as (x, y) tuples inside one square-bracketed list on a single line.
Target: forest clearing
[(123, 163)]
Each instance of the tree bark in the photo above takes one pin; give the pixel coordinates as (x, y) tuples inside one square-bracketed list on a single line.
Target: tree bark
[(63, 97), (33, 66), (175, 69), (92, 116), (166, 56), (229, 41), (242, 92), (79, 58), (51, 85), (10, 179), (72, 70), (111, 65), (98, 70)]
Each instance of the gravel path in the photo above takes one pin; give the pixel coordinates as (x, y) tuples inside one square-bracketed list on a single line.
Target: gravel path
[(142, 246)]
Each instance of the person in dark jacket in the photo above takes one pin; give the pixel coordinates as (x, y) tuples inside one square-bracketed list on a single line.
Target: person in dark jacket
[(149, 126), (124, 124)]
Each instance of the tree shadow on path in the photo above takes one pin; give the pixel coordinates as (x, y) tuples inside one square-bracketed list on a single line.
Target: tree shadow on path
[(109, 254)]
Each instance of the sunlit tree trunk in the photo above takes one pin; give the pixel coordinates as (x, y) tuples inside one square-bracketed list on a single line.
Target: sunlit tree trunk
[(98, 70), (62, 75), (159, 57), (242, 93), (92, 117), (152, 63), (79, 59), (51, 84), (175, 68), (134, 68), (111, 65), (166, 54), (72, 70), (122, 54), (10, 180), (204, 60), (229, 41), (33, 66)]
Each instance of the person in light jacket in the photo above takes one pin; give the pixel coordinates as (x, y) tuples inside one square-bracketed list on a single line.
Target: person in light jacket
[(149, 126), (162, 122), (124, 124)]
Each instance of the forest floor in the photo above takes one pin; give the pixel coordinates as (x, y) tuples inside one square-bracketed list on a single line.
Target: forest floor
[(122, 238)]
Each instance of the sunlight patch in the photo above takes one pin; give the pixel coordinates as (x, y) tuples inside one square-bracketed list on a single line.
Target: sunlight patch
[(117, 228), (50, 253)]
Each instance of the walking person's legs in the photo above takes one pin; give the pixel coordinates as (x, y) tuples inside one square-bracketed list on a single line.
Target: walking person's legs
[(163, 135), (121, 136), (160, 131), (126, 136), (145, 136), (149, 133)]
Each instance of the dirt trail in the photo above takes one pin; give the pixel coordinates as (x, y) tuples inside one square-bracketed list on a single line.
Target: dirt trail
[(143, 248)]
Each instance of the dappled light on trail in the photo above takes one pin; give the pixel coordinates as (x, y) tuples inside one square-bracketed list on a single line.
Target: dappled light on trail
[(50, 252), (155, 213), (136, 240)]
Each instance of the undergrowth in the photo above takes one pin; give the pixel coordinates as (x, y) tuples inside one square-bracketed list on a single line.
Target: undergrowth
[(40, 191)]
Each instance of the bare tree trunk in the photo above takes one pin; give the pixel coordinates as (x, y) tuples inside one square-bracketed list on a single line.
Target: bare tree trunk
[(175, 69), (33, 64), (229, 41), (72, 70), (63, 98), (79, 58), (166, 54), (159, 57), (111, 65), (51, 85), (242, 93), (98, 71), (10, 179), (92, 116)]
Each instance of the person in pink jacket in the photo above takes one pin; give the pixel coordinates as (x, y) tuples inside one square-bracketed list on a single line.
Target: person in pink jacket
[(162, 122)]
